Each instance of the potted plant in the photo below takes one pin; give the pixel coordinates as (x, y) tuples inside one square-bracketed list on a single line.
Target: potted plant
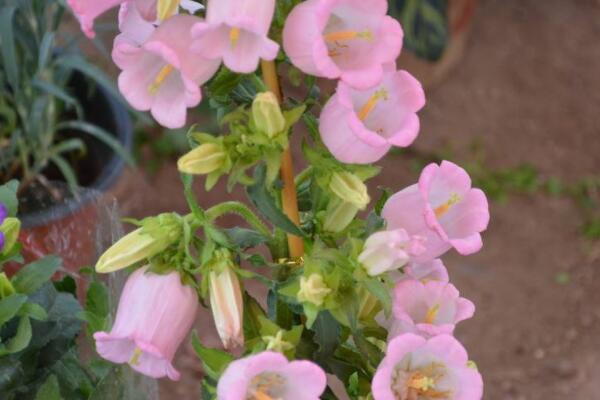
[(61, 129)]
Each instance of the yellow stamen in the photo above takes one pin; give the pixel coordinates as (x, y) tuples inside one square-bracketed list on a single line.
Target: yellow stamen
[(443, 209), (432, 313), (364, 112), (135, 359), (348, 35), (160, 78), (234, 36), (166, 8), (421, 382)]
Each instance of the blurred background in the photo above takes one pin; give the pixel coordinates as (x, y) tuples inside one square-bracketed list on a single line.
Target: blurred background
[(513, 96)]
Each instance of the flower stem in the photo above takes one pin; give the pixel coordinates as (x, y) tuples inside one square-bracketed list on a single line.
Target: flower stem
[(288, 193), (235, 207)]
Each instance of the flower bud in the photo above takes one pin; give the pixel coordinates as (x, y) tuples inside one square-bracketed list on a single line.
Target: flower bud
[(204, 159), (389, 250), (267, 115), (10, 230), (313, 289), (6, 287), (139, 245), (338, 215), (350, 188), (227, 306)]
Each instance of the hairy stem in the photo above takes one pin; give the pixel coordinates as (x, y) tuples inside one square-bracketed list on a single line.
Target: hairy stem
[(235, 207)]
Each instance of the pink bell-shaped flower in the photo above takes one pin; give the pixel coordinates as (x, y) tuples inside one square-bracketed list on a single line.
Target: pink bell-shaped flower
[(388, 251), (162, 74), (428, 308), (443, 208), (417, 368), (347, 39), (236, 32), (155, 314), (269, 375), (433, 270), (360, 126), (87, 11)]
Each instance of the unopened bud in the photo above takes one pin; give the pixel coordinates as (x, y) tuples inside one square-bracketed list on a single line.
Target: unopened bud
[(339, 215), (267, 115), (389, 250), (138, 245), (204, 159), (313, 289), (227, 306), (6, 287), (10, 229), (349, 188)]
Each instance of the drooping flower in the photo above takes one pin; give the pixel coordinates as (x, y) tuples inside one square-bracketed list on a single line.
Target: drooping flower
[(236, 32), (428, 308), (227, 306), (434, 369), (443, 208), (269, 375), (347, 39), (163, 75), (360, 126), (155, 314), (389, 250)]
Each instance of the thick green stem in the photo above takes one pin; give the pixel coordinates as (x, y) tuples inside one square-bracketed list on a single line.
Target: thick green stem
[(235, 207)]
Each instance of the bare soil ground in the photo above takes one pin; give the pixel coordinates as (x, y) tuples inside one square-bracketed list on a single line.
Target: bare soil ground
[(528, 90)]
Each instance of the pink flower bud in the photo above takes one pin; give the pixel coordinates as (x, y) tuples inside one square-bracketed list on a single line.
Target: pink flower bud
[(155, 314), (389, 250), (227, 306)]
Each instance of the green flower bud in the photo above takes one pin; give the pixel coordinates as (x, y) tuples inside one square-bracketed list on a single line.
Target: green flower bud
[(204, 159), (138, 246), (266, 114), (11, 228), (338, 215), (6, 287), (350, 189)]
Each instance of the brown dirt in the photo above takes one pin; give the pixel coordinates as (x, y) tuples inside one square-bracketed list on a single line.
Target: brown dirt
[(527, 90)]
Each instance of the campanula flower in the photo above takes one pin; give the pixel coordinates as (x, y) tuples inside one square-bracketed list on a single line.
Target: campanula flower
[(428, 308), (346, 39), (389, 250), (434, 369), (235, 31), (269, 375), (162, 74), (433, 270), (155, 314), (443, 208), (360, 126)]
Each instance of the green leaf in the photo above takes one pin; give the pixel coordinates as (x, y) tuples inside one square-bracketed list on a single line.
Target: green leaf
[(245, 238), (45, 50), (214, 361), (57, 92), (99, 134), (33, 276), (9, 55), (327, 334), (253, 313), (8, 197), (66, 170), (50, 390), (379, 290), (265, 203), (33, 311), (10, 306), (20, 340), (97, 299)]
